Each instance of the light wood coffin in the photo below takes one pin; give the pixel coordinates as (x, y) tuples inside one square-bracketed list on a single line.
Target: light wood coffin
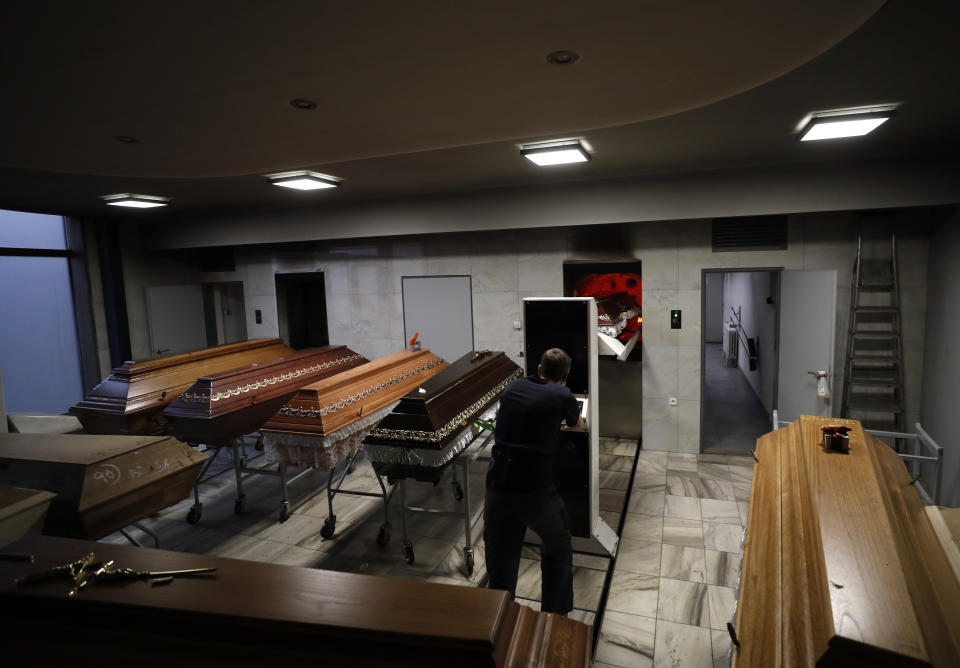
[(103, 483), (130, 400), (223, 406), (433, 423), (841, 565), (252, 614), (326, 420)]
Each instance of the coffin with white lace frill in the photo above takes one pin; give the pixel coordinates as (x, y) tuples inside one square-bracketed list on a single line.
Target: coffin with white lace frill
[(432, 424), (325, 421)]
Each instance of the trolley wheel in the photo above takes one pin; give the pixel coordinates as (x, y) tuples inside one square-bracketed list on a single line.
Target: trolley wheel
[(457, 490), (468, 562), (239, 505), (329, 526), (408, 552), (194, 515), (383, 536), (284, 511)]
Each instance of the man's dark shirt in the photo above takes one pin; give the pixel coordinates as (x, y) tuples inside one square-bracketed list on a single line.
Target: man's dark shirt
[(527, 433)]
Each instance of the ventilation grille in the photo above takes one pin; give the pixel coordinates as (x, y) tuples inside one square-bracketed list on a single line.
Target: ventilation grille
[(750, 233)]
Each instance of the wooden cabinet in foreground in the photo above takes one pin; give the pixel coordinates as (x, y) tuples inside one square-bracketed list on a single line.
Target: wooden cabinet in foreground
[(841, 564)]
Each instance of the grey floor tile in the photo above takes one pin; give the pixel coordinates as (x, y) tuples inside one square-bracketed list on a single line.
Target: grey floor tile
[(689, 465), (634, 594), (741, 474), (638, 556), (626, 640), (683, 602), (682, 532), (721, 602), (611, 518), (639, 526), (741, 491), (682, 507), (612, 499), (644, 482), (722, 567), (680, 562), (725, 512), (720, 644), (712, 459), (616, 463), (620, 448), (614, 480), (682, 646), (652, 466), (743, 508), (722, 537), (714, 472), (593, 561), (648, 503), (585, 616)]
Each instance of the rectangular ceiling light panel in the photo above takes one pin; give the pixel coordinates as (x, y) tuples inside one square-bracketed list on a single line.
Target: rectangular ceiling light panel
[(136, 201), (304, 180), (839, 125), (555, 153)]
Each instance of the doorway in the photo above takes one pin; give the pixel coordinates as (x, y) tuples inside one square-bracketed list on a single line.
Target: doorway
[(224, 313), (739, 357), (302, 310)]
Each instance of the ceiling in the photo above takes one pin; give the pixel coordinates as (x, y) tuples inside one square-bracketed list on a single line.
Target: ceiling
[(432, 96)]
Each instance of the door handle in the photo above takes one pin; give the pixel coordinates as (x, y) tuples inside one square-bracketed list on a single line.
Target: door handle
[(160, 352)]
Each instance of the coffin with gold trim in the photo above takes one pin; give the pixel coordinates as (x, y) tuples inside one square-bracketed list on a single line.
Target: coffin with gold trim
[(433, 423), (102, 482), (327, 420), (221, 407), (130, 400)]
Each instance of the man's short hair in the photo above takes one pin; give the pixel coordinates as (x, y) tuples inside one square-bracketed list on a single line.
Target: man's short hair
[(555, 364)]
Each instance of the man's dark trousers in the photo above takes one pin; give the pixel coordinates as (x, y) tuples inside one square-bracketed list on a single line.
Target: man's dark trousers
[(506, 516)]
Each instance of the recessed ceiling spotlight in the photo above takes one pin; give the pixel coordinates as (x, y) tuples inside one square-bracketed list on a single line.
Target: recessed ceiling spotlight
[(136, 201), (563, 57), (126, 139), (840, 123), (302, 103), (304, 180), (559, 152)]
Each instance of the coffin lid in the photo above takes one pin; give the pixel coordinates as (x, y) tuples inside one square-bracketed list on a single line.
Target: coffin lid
[(323, 406), (284, 375), (159, 364), (437, 410), (83, 449)]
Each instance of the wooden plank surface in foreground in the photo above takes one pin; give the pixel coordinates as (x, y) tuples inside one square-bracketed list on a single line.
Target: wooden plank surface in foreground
[(841, 564)]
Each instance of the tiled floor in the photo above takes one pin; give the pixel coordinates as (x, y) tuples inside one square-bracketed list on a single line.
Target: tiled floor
[(671, 590)]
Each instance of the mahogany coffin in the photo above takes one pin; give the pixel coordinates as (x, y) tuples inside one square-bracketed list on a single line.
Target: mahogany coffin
[(841, 565), (223, 406), (103, 483), (326, 420), (252, 614), (129, 401), (430, 425)]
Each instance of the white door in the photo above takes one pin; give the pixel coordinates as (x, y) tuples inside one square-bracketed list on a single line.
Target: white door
[(808, 314), (176, 319), (440, 309)]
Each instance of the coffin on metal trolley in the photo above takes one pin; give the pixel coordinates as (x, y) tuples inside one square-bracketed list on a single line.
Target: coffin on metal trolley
[(130, 400), (326, 421), (430, 426), (220, 408), (103, 482)]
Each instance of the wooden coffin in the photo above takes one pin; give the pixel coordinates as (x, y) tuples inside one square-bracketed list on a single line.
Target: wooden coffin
[(841, 565), (103, 483), (129, 401), (305, 430), (22, 511), (427, 428), (223, 406), (255, 614)]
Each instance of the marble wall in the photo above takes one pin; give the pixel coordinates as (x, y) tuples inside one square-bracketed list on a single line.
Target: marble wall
[(364, 302)]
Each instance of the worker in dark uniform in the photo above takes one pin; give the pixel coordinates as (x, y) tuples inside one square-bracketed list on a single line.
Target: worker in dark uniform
[(520, 482)]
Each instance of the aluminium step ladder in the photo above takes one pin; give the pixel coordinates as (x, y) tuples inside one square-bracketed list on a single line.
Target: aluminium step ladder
[(873, 375)]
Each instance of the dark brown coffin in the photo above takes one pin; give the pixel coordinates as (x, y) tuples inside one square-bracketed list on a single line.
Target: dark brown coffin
[(435, 415), (310, 429), (129, 401), (251, 614), (223, 406), (103, 483)]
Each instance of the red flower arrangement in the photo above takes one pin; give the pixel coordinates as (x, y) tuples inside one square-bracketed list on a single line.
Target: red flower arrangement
[(835, 438)]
